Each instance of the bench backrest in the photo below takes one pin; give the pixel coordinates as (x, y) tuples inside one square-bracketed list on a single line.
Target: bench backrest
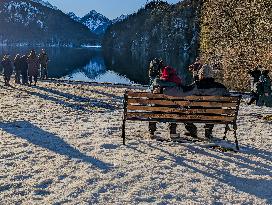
[(146, 106)]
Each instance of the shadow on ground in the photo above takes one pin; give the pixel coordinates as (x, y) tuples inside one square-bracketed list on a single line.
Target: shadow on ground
[(47, 140), (260, 188), (79, 103)]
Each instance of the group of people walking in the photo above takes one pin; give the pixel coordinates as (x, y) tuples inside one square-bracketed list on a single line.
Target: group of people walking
[(26, 67), (165, 79)]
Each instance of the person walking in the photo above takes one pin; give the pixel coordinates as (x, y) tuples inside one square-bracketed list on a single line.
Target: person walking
[(8, 69), (265, 97), (17, 66), (43, 58), (254, 83), (24, 69), (33, 67)]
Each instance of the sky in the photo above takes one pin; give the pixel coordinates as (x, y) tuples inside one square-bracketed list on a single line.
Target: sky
[(109, 8)]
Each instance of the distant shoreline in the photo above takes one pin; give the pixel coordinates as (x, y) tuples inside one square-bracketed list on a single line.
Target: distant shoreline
[(49, 46)]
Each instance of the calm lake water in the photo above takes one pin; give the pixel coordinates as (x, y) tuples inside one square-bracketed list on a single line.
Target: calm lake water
[(92, 64)]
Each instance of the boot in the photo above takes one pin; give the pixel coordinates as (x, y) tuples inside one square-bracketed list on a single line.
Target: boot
[(208, 131), (152, 129), (191, 130)]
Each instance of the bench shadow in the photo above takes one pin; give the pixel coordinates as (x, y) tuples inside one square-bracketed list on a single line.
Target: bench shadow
[(76, 98), (47, 140), (77, 105), (260, 188)]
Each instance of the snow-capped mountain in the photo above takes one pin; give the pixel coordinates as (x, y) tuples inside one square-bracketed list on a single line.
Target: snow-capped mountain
[(96, 22), (73, 16), (35, 22), (45, 3)]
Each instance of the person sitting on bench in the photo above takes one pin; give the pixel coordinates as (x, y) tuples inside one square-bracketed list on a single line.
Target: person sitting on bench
[(206, 86), (166, 78)]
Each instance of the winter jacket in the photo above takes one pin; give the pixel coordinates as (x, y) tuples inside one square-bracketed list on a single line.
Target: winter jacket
[(33, 66), (203, 87), (43, 58), (17, 64), (266, 83), (170, 75), (8, 68), (208, 86), (23, 64)]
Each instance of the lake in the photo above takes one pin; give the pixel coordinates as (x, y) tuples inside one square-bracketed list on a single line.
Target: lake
[(94, 64)]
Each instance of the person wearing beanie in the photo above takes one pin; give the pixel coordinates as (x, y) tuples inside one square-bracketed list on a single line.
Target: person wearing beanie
[(206, 86)]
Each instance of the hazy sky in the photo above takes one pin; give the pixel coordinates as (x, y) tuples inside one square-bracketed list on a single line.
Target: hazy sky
[(109, 8)]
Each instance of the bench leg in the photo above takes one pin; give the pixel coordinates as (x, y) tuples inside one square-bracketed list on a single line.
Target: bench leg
[(226, 131), (235, 135), (124, 132)]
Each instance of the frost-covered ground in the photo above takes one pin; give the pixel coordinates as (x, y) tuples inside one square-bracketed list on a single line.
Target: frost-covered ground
[(60, 144)]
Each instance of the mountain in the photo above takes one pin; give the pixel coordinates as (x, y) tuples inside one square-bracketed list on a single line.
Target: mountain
[(73, 16), (96, 22), (157, 30), (35, 22), (119, 19), (45, 3)]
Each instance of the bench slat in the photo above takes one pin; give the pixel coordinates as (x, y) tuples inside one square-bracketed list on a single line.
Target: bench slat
[(192, 98), (141, 116), (178, 121), (219, 111), (142, 101)]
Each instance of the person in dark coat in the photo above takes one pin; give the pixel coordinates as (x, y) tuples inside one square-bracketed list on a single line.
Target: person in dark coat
[(33, 67), (265, 93), (254, 83), (206, 85), (24, 69), (17, 66), (8, 69), (43, 58)]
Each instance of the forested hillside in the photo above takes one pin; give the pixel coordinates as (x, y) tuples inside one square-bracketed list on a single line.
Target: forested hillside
[(31, 23), (158, 27)]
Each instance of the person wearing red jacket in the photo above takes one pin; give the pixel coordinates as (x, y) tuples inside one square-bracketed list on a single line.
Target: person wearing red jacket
[(168, 78), (169, 74)]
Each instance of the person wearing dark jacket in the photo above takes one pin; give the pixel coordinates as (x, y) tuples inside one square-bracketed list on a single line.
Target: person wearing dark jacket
[(254, 83), (43, 58), (33, 67), (265, 93), (17, 66), (206, 85), (8, 69), (24, 68)]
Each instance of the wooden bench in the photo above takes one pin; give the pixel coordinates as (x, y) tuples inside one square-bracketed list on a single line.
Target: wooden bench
[(144, 106)]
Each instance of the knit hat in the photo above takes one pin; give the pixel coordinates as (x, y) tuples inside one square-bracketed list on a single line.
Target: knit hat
[(205, 71)]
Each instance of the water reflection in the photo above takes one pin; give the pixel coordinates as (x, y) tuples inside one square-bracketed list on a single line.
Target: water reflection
[(94, 64), (135, 64)]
